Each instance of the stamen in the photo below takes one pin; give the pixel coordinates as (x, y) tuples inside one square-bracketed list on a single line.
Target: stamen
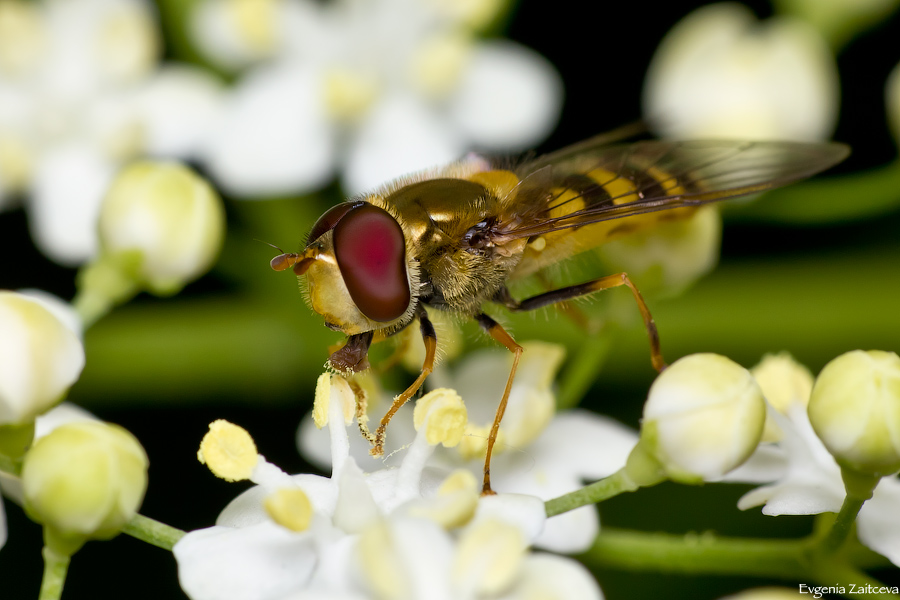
[(228, 451), (290, 508)]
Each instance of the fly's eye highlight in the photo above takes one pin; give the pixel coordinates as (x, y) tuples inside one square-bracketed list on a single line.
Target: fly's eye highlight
[(371, 254), (330, 219)]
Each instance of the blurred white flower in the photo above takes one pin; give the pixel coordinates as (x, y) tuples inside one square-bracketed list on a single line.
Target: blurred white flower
[(376, 89), (804, 479), (409, 532), (80, 93), (720, 73), (40, 358), (538, 451)]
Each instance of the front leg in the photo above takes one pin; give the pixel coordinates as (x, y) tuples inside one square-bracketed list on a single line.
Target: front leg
[(430, 339)]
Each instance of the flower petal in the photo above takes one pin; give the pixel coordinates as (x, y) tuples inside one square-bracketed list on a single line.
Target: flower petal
[(509, 98), (877, 524), (275, 138), (247, 509), (68, 188), (525, 512), (179, 106), (549, 576), (400, 136), (262, 562)]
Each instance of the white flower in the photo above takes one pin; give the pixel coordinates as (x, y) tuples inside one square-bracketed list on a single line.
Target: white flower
[(718, 73), (40, 358), (80, 93), (804, 479), (380, 89), (391, 534), (538, 452)]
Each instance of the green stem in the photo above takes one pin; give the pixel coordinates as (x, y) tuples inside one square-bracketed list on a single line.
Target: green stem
[(55, 568), (153, 532), (709, 554), (696, 553), (583, 369), (842, 525), (598, 491)]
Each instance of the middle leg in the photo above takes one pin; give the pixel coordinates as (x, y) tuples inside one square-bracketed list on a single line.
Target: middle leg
[(582, 289)]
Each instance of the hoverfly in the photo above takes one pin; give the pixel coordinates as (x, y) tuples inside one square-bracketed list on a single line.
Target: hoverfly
[(450, 239)]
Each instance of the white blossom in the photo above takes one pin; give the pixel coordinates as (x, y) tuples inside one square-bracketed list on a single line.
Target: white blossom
[(720, 73), (81, 92), (410, 532), (802, 478), (539, 452), (40, 358), (376, 90)]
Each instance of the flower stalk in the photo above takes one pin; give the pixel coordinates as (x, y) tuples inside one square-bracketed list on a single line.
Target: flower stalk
[(153, 532), (56, 566)]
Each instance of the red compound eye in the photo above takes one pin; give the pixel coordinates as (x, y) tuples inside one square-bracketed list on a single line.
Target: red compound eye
[(371, 253), (331, 217)]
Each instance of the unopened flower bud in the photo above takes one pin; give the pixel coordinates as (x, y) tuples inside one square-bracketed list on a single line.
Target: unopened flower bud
[(704, 416), (721, 73), (672, 256), (40, 358), (84, 481), (784, 383), (855, 411), (167, 215)]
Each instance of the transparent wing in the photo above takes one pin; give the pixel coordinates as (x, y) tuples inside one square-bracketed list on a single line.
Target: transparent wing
[(588, 183)]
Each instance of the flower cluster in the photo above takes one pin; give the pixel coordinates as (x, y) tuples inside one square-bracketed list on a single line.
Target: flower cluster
[(380, 89), (82, 93), (410, 532)]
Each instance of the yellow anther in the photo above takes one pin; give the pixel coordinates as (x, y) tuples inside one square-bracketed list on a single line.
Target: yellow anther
[(290, 508), (381, 565), (228, 451), (349, 93), (332, 388), (439, 62), (474, 442), (488, 557), (255, 21), (455, 502), (444, 415)]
